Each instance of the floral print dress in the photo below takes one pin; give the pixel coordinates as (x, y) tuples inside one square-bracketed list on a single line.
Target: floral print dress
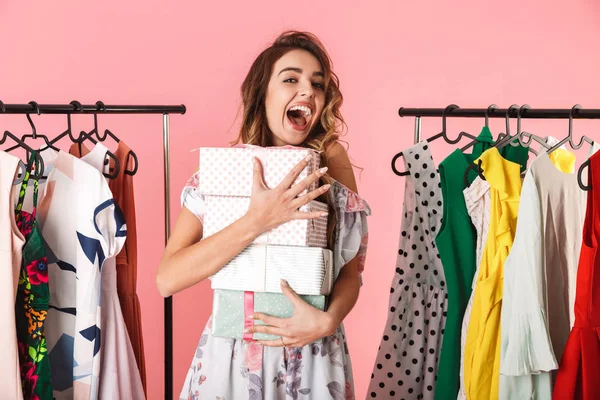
[(31, 306), (231, 369)]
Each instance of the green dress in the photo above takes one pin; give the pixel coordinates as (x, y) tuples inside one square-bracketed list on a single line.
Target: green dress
[(456, 243), (31, 307)]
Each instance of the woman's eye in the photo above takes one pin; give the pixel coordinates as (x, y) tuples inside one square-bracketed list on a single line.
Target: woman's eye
[(290, 80), (319, 85)]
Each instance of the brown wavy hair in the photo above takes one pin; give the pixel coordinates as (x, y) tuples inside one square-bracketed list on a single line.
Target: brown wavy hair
[(255, 129)]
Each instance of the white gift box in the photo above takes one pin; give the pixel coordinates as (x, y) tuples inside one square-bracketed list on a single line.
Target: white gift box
[(222, 211), (229, 171), (259, 268)]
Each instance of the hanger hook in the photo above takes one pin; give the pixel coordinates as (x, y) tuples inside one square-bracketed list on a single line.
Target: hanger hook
[(574, 110), (100, 107), (508, 110), (36, 108), (522, 142), (446, 110), (77, 107), (2, 107), (487, 112)]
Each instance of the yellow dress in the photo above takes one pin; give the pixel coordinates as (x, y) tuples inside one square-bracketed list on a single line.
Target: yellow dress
[(482, 349)]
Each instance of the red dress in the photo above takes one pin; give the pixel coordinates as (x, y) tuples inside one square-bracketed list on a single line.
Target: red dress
[(579, 373)]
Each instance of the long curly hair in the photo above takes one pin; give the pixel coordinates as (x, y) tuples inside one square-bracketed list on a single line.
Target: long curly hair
[(255, 129)]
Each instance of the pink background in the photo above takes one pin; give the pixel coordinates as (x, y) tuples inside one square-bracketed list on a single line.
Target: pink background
[(387, 54)]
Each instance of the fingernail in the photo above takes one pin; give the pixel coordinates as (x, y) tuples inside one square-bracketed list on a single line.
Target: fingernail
[(249, 317), (323, 170), (326, 187), (247, 330), (324, 214), (284, 282), (308, 158)]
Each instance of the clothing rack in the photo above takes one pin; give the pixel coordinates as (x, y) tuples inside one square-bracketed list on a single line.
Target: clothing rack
[(100, 108), (454, 111)]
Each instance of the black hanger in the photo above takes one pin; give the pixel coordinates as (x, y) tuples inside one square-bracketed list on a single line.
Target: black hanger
[(580, 180), (507, 138), (569, 137), (22, 165), (89, 136), (101, 107), (23, 145), (442, 134), (522, 134), (487, 125), (34, 135), (76, 107)]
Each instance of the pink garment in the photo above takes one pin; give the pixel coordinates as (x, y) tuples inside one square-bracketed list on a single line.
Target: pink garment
[(119, 375), (11, 243)]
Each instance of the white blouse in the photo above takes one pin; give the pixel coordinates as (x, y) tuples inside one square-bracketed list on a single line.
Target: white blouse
[(543, 259)]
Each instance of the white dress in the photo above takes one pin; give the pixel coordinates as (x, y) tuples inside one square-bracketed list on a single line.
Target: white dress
[(407, 360), (477, 199), (11, 242), (540, 280), (230, 369), (82, 228), (119, 375)]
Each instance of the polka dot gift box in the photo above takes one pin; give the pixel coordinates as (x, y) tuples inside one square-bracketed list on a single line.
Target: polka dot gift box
[(231, 307), (228, 171), (222, 211)]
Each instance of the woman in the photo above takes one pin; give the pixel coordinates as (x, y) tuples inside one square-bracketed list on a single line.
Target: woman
[(294, 71)]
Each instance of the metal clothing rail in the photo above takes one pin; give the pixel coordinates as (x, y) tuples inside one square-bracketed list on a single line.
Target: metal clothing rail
[(540, 113), (100, 108)]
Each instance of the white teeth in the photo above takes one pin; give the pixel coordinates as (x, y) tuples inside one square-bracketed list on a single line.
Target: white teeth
[(306, 110)]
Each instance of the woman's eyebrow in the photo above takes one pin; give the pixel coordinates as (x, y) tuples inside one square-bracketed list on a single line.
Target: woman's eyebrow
[(299, 70)]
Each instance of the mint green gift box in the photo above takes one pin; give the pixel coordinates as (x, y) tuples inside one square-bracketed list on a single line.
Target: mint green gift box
[(228, 311)]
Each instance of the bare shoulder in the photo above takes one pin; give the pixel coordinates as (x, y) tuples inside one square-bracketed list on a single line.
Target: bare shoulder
[(340, 167)]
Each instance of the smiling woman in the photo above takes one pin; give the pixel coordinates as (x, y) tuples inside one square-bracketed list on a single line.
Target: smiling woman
[(290, 97)]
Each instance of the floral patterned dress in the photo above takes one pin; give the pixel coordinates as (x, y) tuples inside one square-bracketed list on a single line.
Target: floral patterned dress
[(31, 306), (231, 369)]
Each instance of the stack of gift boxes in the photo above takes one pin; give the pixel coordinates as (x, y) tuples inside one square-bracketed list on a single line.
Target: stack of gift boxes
[(295, 251)]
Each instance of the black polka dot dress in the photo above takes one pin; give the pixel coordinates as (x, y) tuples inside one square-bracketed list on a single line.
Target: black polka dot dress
[(407, 359)]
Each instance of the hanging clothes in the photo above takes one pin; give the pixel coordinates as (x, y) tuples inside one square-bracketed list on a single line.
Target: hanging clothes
[(119, 375), (82, 227), (543, 259), (482, 349), (456, 242), (11, 243), (122, 190), (477, 199), (406, 364), (235, 369), (577, 377), (33, 295)]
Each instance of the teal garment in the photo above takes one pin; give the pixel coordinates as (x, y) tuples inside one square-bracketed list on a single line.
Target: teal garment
[(456, 243)]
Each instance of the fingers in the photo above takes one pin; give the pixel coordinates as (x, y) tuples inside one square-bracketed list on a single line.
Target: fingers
[(266, 329), (293, 174), (309, 215), (290, 294), (306, 182), (270, 320), (258, 182), (307, 198)]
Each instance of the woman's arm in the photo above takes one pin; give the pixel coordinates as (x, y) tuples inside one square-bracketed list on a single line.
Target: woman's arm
[(187, 260), (347, 285), (308, 323)]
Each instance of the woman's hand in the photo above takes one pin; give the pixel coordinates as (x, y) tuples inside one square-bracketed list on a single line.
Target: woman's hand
[(270, 208), (307, 325)]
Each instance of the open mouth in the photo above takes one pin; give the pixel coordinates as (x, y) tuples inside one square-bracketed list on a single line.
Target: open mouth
[(299, 116)]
